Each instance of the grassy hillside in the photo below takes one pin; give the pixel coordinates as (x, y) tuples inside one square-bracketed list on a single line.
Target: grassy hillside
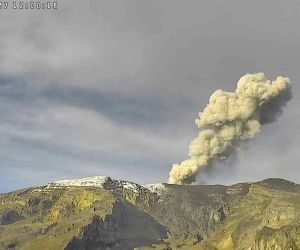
[(49, 218)]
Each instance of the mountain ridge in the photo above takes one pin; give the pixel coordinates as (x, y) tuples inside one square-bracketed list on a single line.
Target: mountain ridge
[(101, 213)]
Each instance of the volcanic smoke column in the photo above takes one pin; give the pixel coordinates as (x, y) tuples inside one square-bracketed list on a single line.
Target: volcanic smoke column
[(230, 117)]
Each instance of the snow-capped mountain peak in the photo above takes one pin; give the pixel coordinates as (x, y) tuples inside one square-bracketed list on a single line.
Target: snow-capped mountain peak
[(107, 183), (94, 181)]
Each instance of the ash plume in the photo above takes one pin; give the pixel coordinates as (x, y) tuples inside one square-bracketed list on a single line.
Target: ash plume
[(231, 118)]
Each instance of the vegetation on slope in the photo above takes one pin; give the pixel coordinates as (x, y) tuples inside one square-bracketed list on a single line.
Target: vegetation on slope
[(263, 215), (49, 218)]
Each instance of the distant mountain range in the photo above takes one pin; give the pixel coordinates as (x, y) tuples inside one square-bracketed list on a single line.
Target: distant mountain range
[(98, 213)]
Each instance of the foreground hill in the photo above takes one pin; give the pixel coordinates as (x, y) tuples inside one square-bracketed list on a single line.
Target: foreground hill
[(101, 213)]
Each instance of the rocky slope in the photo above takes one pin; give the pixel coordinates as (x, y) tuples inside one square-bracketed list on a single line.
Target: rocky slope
[(101, 213)]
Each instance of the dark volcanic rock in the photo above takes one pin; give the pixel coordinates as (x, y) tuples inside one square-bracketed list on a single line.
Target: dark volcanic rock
[(127, 227), (10, 216)]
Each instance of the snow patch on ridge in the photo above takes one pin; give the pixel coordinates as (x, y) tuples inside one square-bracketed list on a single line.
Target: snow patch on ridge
[(107, 183), (129, 185), (94, 181), (156, 187)]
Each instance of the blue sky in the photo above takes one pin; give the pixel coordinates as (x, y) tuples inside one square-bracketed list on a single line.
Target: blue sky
[(113, 87)]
